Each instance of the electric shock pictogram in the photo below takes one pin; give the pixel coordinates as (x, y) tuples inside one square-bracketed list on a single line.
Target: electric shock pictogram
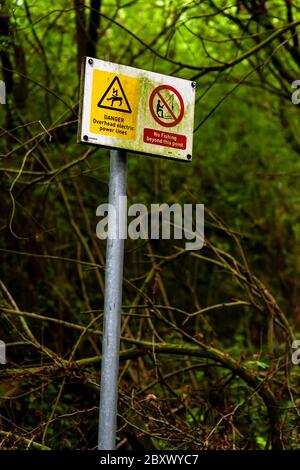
[(115, 98)]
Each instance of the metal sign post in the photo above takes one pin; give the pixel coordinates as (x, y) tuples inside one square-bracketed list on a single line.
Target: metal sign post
[(112, 305), (140, 111)]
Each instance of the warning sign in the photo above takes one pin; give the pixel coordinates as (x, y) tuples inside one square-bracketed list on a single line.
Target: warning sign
[(166, 106), (114, 105), (115, 98), (137, 110)]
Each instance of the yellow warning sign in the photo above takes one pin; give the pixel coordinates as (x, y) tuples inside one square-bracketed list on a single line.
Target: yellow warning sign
[(114, 104), (115, 98)]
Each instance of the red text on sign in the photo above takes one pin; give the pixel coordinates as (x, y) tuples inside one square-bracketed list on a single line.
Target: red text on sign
[(167, 139)]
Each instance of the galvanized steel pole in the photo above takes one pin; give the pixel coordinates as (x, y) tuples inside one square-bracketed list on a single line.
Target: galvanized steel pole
[(112, 304)]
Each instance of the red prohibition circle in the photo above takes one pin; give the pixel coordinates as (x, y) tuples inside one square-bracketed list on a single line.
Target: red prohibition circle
[(176, 120)]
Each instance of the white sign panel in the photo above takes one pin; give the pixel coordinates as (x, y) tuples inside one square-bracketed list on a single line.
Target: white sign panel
[(136, 110)]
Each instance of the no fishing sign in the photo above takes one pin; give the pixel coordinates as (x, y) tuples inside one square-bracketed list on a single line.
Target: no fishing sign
[(136, 110)]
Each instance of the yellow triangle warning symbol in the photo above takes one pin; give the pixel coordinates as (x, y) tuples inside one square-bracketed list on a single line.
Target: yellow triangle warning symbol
[(114, 98)]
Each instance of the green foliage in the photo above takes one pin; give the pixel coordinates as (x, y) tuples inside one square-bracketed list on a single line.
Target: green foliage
[(210, 330)]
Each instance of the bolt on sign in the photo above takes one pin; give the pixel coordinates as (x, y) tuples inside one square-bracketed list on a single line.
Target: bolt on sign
[(136, 110)]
